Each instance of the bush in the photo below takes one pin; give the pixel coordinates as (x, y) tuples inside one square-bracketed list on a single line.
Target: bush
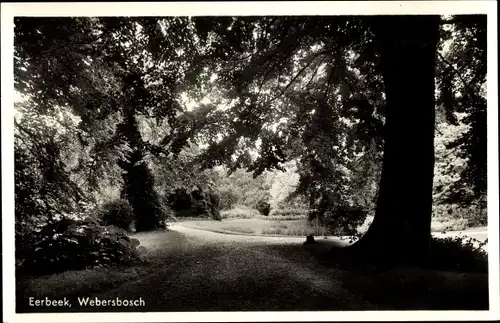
[(195, 203), (239, 212), (459, 254), (448, 224), (76, 244), (456, 217), (340, 219), (228, 197), (118, 213), (264, 208), (290, 212), (302, 228)]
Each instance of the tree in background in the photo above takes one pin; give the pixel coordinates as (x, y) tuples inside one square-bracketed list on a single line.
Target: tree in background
[(241, 188), (461, 77), (284, 187)]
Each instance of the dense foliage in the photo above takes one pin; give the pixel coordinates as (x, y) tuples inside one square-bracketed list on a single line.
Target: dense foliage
[(264, 208), (292, 109), (463, 254), (197, 202), (241, 188), (118, 213), (71, 244), (315, 93)]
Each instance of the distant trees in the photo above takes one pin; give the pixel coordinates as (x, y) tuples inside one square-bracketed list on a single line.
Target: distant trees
[(240, 188)]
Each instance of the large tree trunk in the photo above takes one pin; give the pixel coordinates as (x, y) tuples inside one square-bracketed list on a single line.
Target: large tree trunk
[(401, 229)]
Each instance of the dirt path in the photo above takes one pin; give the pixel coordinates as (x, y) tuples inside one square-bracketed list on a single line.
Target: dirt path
[(190, 269), (212, 271), (208, 271), (480, 234)]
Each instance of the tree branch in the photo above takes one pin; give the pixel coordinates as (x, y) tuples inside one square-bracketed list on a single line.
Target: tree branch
[(282, 92), (457, 72), (315, 72), (72, 44)]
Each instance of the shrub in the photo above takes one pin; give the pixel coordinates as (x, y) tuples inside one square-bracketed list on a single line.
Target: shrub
[(459, 217), (118, 213), (217, 216), (448, 224), (459, 253), (196, 203), (78, 244), (300, 228), (239, 212), (290, 212), (340, 219), (228, 197), (264, 208)]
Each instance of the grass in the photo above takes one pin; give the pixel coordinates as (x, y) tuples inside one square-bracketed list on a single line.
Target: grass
[(191, 269), (286, 217), (438, 224), (443, 224), (260, 226), (289, 214), (403, 288), (83, 281), (289, 226), (238, 229), (158, 246), (296, 228), (242, 212), (254, 225)]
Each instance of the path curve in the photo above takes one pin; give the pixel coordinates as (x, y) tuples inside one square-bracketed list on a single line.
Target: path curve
[(207, 271)]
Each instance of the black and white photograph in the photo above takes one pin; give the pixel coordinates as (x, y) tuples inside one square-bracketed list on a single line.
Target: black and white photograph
[(176, 160)]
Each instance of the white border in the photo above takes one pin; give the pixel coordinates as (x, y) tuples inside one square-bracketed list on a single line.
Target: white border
[(9, 10)]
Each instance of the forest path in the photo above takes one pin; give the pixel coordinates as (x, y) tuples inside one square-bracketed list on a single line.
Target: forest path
[(208, 271)]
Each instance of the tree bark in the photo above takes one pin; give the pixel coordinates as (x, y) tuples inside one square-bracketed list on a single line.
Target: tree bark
[(401, 230)]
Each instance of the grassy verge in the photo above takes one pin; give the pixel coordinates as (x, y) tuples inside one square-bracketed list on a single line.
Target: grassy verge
[(260, 226), (250, 276), (239, 212), (442, 224), (404, 288), (438, 224), (286, 217), (238, 229), (77, 281), (293, 222), (296, 228)]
